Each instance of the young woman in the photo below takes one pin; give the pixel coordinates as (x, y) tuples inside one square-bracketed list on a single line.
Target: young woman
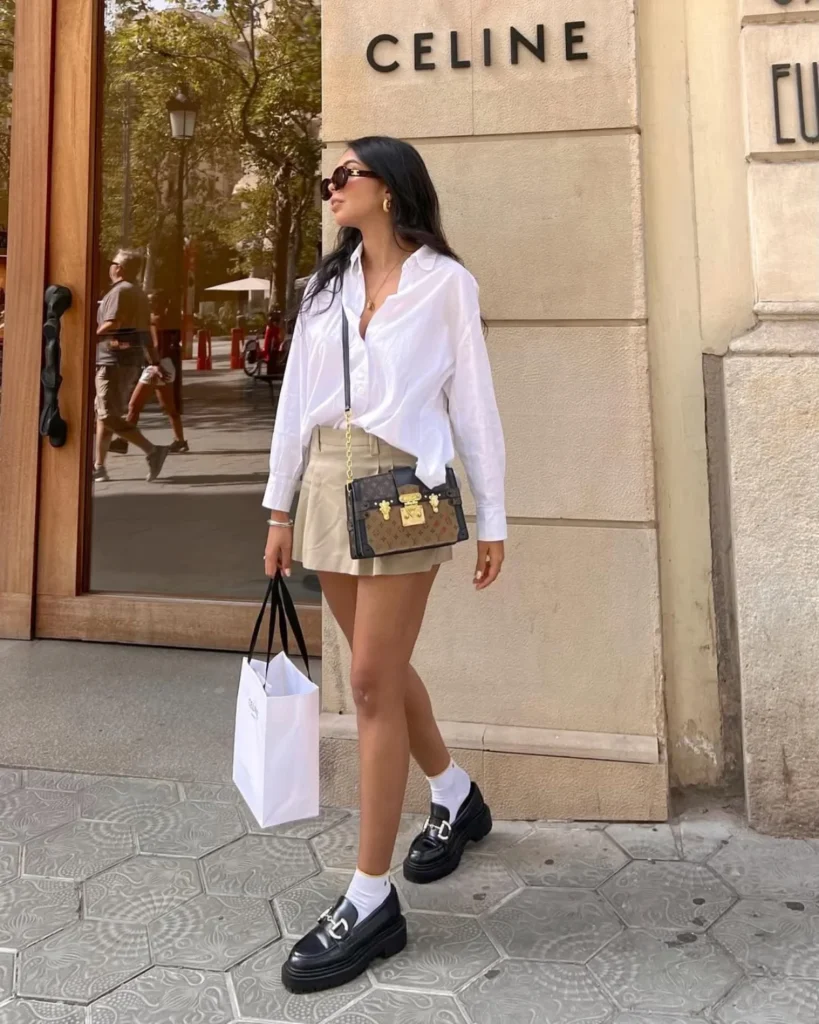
[(159, 379), (419, 375)]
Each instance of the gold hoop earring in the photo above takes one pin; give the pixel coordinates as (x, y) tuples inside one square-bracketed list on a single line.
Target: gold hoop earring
[(387, 204)]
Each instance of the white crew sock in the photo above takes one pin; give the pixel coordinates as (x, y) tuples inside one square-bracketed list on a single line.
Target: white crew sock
[(450, 789), (367, 893)]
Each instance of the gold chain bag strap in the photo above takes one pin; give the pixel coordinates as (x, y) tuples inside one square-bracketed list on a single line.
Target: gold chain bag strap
[(393, 513)]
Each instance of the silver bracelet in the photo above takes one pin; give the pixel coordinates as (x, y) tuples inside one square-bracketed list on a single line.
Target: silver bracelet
[(276, 522)]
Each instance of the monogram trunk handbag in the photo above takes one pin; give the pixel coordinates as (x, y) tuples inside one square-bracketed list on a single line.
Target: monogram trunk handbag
[(393, 513)]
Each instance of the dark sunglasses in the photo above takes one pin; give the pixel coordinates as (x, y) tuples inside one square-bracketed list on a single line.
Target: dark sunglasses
[(340, 177)]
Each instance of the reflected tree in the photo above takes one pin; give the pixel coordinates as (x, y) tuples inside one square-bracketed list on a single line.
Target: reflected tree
[(254, 65)]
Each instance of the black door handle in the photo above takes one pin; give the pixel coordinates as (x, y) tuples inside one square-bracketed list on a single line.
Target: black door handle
[(52, 425)]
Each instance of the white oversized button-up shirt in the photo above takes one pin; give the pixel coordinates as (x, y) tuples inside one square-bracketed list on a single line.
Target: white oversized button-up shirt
[(421, 375)]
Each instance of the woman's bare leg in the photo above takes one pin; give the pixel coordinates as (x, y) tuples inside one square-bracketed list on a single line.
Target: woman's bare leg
[(388, 616), (166, 400), (426, 743), (139, 398)]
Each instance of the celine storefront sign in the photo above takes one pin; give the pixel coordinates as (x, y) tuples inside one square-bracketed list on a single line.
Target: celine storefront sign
[(807, 100), (429, 50)]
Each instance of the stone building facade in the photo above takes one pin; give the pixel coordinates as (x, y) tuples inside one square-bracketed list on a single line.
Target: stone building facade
[(610, 171)]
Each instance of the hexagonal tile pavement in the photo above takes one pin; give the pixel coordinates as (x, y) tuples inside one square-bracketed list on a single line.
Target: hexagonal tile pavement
[(478, 885), (27, 813), (687, 897), (338, 846), (772, 936), (258, 866), (772, 1001), (525, 991), (764, 868), (567, 925), (110, 795), (299, 908), (6, 975), (213, 792), (307, 828), (700, 840), (164, 995), (78, 850), (63, 782), (503, 835), (32, 908), (261, 995), (141, 889), (27, 1011), (181, 830), (443, 953), (212, 932), (665, 973), (10, 779), (646, 842), (9, 861), (383, 1007), (649, 1018), (565, 856), (84, 961)]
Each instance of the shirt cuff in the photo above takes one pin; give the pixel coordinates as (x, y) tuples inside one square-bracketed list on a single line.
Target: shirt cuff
[(279, 492), (491, 524)]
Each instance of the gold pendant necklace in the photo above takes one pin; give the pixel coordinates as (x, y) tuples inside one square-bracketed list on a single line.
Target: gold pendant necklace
[(370, 303)]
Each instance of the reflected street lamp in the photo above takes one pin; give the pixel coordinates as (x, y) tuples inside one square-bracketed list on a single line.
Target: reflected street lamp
[(182, 110)]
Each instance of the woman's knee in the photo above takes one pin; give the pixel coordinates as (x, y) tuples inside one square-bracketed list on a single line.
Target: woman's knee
[(375, 691)]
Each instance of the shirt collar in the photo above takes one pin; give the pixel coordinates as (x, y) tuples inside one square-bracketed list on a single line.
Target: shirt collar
[(425, 257)]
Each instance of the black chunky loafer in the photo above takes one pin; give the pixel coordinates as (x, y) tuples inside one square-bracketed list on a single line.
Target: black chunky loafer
[(437, 850), (338, 950)]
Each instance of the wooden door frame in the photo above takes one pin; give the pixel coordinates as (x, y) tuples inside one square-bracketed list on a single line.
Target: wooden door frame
[(29, 181), (62, 608)]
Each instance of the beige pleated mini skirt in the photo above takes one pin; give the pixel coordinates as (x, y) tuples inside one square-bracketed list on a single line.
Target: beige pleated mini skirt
[(321, 541)]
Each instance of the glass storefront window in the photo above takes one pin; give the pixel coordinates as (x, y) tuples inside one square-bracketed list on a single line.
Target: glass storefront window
[(209, 225)]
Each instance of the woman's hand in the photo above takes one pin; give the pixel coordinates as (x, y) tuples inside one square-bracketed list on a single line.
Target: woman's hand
[(490, 560), (279, 550)]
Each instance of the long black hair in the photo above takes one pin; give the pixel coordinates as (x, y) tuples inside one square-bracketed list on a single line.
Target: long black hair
[(416, 211)]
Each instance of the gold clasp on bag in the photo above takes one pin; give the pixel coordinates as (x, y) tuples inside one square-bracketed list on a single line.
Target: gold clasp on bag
[(385, 509), (412, 512), (434, 502)]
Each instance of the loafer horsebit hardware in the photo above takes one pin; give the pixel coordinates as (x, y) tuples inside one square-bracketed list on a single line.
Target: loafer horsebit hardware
[(443, 831), (334, 925), (412, 511)]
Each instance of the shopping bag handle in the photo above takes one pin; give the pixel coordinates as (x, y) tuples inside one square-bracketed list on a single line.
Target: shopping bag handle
[(288, 613), (281, 604)]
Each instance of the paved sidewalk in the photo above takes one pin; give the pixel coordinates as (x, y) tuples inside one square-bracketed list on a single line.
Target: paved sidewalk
[(128, 901)]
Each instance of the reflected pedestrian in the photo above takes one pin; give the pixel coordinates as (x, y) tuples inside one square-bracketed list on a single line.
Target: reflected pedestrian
[(123, 338)]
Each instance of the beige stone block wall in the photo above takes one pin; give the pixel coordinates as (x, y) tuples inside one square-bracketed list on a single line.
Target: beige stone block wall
[(772, 408), (551, 227), (406, 103), (763, 46), (575, 408), (567, 639), (600, 92), (522, 785), (770, 12), (539, 175), (701, 293), (532, 96), (785, 227)]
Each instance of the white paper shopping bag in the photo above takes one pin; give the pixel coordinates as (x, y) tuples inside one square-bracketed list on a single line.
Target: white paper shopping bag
[(276, 745)]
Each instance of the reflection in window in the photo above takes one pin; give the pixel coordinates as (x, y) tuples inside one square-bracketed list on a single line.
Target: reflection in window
[(209, 224), (6, 63)]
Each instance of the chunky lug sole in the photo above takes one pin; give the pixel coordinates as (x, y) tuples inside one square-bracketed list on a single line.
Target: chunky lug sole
[(474, 832), (385, 945)]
